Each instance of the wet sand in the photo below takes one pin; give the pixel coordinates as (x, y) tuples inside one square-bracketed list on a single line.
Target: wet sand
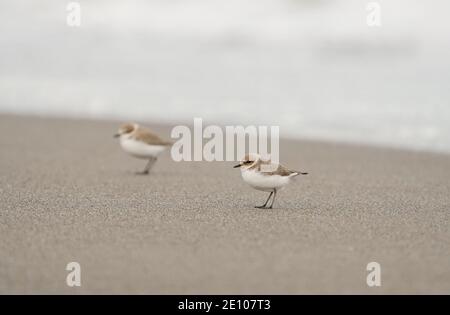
[(68, 193)]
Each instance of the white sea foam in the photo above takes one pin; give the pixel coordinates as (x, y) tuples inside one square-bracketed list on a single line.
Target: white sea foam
[(312, 67)]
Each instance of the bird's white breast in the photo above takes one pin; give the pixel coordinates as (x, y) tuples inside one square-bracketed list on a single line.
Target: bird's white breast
[(264, 182), (140, 149)]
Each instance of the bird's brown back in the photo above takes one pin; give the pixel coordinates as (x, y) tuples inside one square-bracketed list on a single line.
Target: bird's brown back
[(280, 170), (147, 136)]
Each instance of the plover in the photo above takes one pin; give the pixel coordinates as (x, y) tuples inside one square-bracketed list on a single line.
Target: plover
[(265, 176), (141, 143)]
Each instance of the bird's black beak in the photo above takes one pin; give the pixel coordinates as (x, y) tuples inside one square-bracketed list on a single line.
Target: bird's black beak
[(117, 135), (239, 165)]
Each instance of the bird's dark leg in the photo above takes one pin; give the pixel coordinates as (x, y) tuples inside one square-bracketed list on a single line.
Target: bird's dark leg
[(273, 199), (264, 205), (147, 168)]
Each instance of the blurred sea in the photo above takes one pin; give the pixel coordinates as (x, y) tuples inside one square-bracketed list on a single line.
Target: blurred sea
[(312, 67)]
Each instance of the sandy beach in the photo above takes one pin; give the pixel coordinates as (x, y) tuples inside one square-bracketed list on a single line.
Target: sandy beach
[(68, 193)]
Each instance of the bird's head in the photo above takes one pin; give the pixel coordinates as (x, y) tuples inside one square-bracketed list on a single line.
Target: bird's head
[(126, 129), (248, 161)]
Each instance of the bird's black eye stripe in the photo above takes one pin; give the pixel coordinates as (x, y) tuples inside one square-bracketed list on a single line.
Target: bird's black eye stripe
[(248, 162)]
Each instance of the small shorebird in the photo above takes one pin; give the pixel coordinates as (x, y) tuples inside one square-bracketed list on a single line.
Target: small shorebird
[(265, 176), (141, 143)]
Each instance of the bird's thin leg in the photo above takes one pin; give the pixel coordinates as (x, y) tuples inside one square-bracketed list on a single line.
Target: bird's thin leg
[(264, 205), (273, 199), (149, 165)]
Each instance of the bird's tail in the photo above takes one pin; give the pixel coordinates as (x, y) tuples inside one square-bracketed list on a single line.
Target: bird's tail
[(299, 173)]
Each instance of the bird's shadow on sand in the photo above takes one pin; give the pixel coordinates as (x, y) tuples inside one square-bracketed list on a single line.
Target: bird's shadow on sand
[(151, 174), (278, 208)]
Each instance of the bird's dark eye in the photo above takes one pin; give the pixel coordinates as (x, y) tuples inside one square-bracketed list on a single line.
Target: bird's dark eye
[(248, 162)]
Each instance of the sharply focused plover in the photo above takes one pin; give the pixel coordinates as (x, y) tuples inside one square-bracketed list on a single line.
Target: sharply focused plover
[(141, 143), (265, 176)]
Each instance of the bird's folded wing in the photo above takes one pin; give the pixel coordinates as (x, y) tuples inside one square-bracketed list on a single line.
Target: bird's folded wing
[(148, 137), (283, 171), (280, 170)]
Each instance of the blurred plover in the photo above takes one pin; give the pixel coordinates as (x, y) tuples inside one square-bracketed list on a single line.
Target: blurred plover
[(141, 143), (265, 176)]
